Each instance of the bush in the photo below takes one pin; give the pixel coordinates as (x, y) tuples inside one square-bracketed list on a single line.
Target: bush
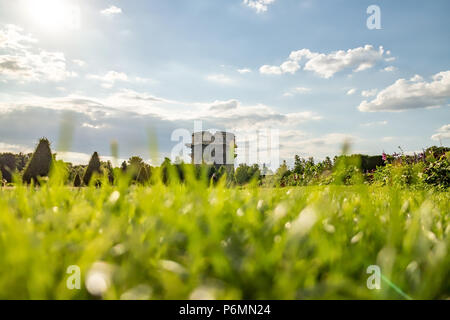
[(40, 163), (437, 172), (77, 181), (370, 163), (93, 167), (143, 175), (8, 165)]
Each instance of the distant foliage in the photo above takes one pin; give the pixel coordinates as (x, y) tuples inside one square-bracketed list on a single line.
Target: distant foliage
[(40, 163), (93, 167), (437, 172), (430, 168), (245, 173)]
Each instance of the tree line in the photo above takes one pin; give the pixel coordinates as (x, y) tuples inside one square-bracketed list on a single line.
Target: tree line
[(431, 167)]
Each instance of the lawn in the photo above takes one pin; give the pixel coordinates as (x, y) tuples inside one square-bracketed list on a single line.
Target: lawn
[(186, 241)]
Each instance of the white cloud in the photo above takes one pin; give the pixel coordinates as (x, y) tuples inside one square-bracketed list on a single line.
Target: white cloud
[(266, 69), (369, 93), (351, 91), (111, 11), (414, 93), (79, 62), (258, 5), (244, 70), (290, 67), (12, 37), (220, 78), (307, 145), (224, 105), (14, 148), (297, 90), (326, 65), (110, 78), (443, 133), (375, 123), (390, 69), (126, 115), (20, 60), (93, 126)]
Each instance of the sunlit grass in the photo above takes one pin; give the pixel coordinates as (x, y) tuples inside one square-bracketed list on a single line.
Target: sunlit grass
[(189, 240)]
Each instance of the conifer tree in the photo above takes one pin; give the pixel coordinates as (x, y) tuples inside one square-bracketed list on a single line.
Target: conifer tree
[(143, 175), (40, 162), (77, 181), (93, 167)]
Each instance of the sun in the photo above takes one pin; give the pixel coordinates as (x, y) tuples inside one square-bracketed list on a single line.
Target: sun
[(54, 15)]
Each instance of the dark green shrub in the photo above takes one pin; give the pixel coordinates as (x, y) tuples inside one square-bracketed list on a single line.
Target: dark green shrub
[(77, 181), (437, 173), (8, 164), (93, 167), (370, 163), (143, 175), (40, 162)]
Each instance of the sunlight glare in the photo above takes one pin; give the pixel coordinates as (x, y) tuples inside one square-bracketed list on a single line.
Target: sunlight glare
[(54, 15)]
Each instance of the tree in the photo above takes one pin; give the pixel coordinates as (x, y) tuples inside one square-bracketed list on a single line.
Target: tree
[(135, 164), (22, 160), (135, 161), (8, 164), (242, 174), (254, 172), (124, 166), (93, 167), (282, 174), (299, 165), (327, 164), (107, 169), (40, 163), (143, 175), (77, 181)]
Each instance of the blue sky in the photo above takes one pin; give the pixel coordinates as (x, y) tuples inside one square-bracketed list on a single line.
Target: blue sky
[(309, 68)]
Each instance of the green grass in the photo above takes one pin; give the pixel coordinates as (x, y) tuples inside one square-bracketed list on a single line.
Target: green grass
[(182, 241)]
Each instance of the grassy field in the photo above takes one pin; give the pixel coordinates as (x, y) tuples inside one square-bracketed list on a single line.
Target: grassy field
[(192, 241)]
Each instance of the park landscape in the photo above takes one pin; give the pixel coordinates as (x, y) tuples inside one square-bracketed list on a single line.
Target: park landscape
[(319, 139), (180, 231)]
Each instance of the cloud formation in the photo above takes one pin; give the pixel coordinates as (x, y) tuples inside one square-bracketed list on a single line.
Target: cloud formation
[(443, 133), (414, 93), (110, 78), (220, 78), (21, 60), (326, 65), (244, 70), (111, 11), (258, 5), (126, 116), (297, 90), (351, 91), (369, 93)]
